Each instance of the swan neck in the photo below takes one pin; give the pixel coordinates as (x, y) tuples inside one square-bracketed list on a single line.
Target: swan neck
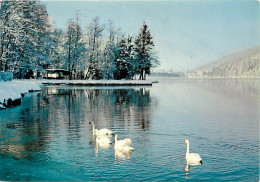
[(188, 148), (93, 128), (115, 139)]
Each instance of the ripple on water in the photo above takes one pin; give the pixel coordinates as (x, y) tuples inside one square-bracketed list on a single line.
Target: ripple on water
[(55, 138)]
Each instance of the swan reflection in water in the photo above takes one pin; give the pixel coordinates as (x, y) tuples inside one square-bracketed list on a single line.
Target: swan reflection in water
[(122, 155), (101, 145), (188, 164)]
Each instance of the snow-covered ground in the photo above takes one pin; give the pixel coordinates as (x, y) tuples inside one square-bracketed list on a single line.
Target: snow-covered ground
[(13, 89)]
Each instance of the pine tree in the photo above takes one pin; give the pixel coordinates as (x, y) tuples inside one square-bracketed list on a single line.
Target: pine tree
[(144, 44), (122, 61), (131, 58)]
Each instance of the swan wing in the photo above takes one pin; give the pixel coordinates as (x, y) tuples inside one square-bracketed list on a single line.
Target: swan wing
[(120, 143), (128, 141), (194, 158)]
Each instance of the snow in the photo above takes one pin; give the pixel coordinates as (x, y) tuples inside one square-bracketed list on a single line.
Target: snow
[(2, 107), (13, 89)]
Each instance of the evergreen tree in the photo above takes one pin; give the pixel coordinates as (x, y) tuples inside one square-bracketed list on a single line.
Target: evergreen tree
[(122, 61), (143, 49), (132, 67)]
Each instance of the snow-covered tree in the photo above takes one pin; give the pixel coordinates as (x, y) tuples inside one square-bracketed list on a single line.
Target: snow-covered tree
[(109, 66), (144, 45), (95, 56), (29, 44), (122, 60), (132, 63), (58, 50), (75, 50), (24, 36)]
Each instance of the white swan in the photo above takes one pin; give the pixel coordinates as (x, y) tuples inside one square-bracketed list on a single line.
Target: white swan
[(101, 132), (192, 158), (123, 145), (102, 140)]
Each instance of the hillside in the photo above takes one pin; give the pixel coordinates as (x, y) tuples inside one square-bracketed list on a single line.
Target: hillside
[(243, 64)]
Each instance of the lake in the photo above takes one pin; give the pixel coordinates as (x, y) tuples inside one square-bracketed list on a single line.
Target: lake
[(48, 137)]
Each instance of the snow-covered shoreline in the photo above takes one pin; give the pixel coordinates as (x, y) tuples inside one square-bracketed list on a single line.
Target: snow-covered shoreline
[(97, 82), (13, 89)]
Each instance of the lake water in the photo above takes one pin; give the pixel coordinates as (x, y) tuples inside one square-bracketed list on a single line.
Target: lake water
[(49, 137)]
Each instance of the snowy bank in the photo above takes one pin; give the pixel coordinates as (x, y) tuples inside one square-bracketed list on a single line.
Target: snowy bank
[(13, 89), (98, 82)]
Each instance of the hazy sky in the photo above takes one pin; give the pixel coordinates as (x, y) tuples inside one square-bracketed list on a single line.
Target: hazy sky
[(187, 34)]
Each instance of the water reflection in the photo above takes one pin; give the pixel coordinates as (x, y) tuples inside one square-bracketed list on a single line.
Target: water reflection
[(26, 150), (188, 164), (51, 131), (124, 105), (103, 145), (63, 114)]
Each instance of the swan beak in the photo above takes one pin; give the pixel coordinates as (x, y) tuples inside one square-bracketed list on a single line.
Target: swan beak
[(201, 162), (89, 122), (113, 134)]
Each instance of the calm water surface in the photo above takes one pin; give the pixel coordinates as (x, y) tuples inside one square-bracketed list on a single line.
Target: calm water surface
[(48, 137)]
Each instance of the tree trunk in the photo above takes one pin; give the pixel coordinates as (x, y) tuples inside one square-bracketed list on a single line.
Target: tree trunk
[(1, 53), (69, 58), (141, 75)]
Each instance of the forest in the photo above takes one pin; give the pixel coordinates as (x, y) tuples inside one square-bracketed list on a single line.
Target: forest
[(240, 64), (30, 44)]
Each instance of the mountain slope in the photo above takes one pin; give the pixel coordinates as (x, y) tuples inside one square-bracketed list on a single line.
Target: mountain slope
[(244, 63)]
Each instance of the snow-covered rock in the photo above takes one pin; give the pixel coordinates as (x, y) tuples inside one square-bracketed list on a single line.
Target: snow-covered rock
[(2, 107)]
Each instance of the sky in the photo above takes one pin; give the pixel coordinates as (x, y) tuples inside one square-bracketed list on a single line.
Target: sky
[(187, 34)]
